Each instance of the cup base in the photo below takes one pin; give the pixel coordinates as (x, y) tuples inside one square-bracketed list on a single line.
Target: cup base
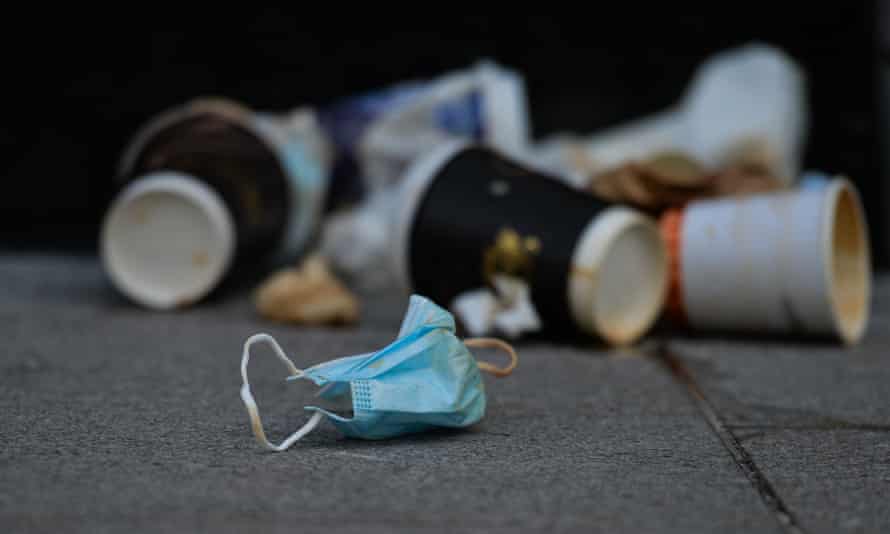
[(167, 240), (618, 282)]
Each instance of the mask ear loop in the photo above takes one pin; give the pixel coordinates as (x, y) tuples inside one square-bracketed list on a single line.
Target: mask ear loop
[(253, 410), (493, 343)]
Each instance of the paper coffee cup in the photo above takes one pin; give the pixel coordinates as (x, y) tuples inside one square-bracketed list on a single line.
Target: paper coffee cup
[(468, 214), (168, 240), (267, 174), (792, 262)]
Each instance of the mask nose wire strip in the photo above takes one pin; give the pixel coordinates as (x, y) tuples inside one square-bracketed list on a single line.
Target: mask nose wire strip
[(493, 343), (253, 410)]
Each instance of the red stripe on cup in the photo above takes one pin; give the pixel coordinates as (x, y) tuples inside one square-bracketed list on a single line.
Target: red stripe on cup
[(671, 227)]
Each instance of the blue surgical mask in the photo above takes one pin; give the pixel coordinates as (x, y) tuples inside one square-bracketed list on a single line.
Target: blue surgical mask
[(426, 378)]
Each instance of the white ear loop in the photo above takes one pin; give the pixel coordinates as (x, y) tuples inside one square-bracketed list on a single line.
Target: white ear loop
[(252, 408)]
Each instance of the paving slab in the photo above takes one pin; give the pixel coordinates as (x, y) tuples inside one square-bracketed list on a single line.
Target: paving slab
[(813, 416), (115, 418), (833, 480)]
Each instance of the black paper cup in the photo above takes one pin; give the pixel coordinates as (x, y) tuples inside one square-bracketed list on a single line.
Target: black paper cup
[(204, 186), (469, 213)]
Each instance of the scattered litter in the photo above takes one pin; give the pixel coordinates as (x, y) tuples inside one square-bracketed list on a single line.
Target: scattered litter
[(744, 107), (357, 241), (379, 134), (435, 186), (672, 179), (507, 310), (310, 294)]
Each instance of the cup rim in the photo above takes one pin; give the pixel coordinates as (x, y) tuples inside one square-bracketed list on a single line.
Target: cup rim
[(850, 324), (228, 109)]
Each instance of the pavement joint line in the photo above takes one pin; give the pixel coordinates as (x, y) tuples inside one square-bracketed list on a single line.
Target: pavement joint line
[(815, 428), (731, 443)]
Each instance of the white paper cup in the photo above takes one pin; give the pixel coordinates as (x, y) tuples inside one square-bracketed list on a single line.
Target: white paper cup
[(167, 240), (793, 262)]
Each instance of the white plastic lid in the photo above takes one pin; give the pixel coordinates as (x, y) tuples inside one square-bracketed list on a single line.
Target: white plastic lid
[(167, 240)]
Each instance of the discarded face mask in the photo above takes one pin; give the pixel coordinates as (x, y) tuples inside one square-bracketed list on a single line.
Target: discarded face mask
[(426, 378)]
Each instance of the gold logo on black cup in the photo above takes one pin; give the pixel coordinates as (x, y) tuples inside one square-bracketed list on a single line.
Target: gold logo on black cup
[(511, 254)]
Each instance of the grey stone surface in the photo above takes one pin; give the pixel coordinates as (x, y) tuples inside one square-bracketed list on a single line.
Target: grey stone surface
[(798, 382), (812, 414), (834, 480), (114, 418)]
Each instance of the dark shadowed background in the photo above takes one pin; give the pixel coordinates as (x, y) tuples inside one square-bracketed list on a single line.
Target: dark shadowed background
[(87, 81)]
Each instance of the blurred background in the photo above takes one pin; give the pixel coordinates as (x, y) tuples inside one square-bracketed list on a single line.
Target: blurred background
[(85, 82)]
